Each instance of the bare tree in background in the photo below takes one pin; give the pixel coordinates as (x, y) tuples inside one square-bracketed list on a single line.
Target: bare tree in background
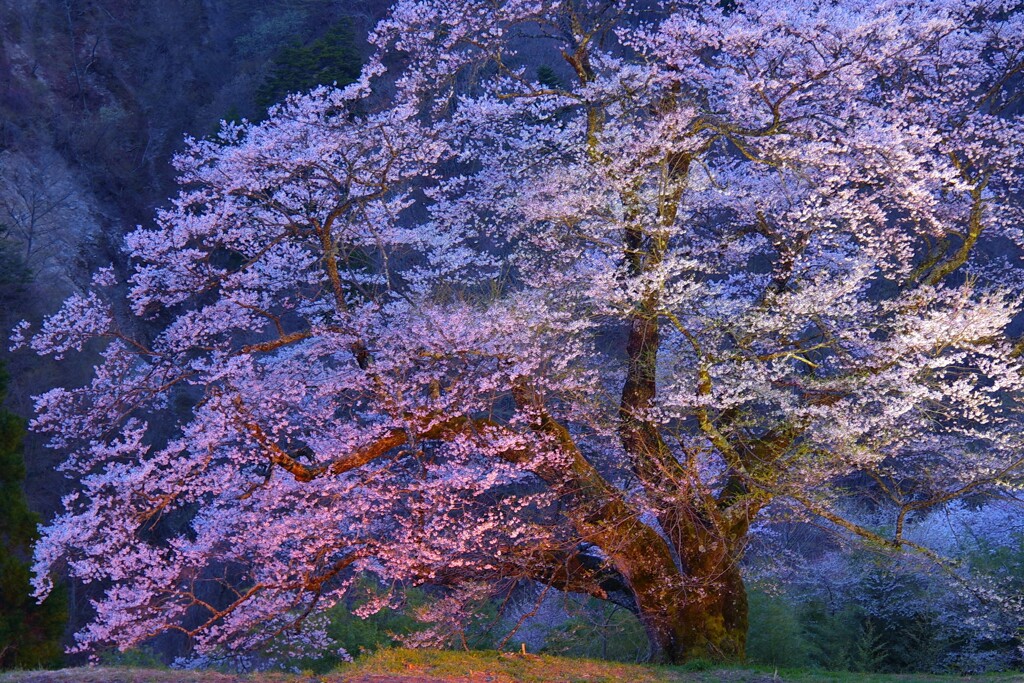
[(41, 212)]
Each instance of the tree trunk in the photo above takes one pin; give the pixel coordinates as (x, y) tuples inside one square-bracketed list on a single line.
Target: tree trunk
[(710, 623), (692, 606), (705, 616)]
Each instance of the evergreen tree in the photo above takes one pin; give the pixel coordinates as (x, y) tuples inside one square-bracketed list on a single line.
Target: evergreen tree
[(30, 633), (332, 59)]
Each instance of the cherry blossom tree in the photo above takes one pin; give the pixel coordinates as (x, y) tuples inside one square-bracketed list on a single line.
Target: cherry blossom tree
[(453, 325)]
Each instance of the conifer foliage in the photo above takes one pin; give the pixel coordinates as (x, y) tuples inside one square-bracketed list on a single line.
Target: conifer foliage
[(333, 58), (30, 633)]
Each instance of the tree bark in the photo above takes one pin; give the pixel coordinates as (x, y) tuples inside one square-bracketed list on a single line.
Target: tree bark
[(707, 620), (704, 614), (693, 604)]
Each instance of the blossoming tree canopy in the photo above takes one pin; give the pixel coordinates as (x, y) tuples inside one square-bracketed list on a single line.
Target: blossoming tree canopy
[(453, 325)]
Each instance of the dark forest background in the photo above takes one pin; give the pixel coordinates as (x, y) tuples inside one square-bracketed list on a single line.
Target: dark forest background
[(95, 98)]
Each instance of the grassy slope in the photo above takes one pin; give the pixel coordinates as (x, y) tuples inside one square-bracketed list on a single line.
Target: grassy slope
[(420, 666)]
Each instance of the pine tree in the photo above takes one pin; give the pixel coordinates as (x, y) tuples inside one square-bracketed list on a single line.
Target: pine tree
[(30, 633), (332, 59)]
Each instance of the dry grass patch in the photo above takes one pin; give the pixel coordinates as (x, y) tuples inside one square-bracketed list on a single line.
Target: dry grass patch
[(493, 667)]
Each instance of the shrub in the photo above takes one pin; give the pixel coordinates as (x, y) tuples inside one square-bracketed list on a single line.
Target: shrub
[(599, 630), (547, 77), (776, 636)]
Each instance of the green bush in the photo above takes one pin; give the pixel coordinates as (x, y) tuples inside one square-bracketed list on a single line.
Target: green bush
[(871, 649), (380, 630), (883, 621), (358, 636), (776, 636), (832, 634), (601, 630), (136, 658), (905, 632)]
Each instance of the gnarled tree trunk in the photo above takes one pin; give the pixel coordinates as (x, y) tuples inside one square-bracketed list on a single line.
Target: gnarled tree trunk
[(686, 589), (707, 619)]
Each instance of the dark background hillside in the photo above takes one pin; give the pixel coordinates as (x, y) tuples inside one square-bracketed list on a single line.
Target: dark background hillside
[(95, 97)]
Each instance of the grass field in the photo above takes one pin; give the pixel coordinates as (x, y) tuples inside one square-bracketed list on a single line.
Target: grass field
[(426, 666)]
